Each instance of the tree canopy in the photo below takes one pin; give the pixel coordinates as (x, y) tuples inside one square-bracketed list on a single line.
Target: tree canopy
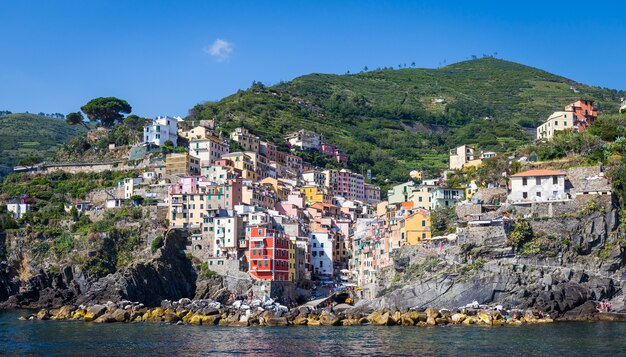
[(108, 110), (135, 123), (75, 118)]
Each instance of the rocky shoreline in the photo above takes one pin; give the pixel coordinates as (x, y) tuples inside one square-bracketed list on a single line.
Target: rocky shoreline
[(270, 313)]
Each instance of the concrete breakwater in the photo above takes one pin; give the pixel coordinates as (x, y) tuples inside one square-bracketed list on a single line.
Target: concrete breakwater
[(270, 313)]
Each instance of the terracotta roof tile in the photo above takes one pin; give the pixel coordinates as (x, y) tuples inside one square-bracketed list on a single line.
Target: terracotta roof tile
[(535, 173)]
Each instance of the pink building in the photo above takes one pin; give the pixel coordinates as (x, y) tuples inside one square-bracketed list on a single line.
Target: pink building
[(346, 183)]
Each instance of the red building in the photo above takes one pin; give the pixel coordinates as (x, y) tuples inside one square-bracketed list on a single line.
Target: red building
[(584, 113), (268, 254), (334, 152)]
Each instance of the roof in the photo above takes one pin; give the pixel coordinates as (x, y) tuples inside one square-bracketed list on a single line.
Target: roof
[(322, 205), (535, 173)]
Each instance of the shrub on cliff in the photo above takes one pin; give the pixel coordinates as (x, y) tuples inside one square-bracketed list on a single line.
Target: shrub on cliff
[(156, 244), (522, 232)]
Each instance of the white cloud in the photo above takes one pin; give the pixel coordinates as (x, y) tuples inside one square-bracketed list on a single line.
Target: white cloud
[(220, 49)]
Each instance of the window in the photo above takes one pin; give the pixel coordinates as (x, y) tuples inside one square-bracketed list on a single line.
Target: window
[(538, 194), (555, 180), (525, 194), (423, 223), (524, 181)]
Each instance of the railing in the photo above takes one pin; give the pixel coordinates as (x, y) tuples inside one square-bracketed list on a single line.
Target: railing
[(261, 268)]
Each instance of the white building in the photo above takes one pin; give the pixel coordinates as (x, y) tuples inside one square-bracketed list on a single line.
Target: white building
[(227, 233), (161, 129), (537, 186), (208, 150), (487, 155), (128, 185), (322, 245), (314, 178), (446, 197), (18, 209), (305, 139), (556, 122)]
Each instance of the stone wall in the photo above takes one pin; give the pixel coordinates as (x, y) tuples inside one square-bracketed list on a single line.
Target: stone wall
[(466, 210), (486, 236), (562, 208)]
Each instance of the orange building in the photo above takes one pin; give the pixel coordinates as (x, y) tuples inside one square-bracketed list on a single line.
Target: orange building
[(584, 113)]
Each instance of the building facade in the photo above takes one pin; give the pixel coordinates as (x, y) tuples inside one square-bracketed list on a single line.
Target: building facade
[(268, 254), (537, 185), (161, 130)]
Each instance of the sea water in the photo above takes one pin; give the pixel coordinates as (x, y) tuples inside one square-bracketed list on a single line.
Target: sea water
[(147, 339)]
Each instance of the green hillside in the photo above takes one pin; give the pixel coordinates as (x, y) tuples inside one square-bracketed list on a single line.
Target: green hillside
[(22, 135), (396, 120)]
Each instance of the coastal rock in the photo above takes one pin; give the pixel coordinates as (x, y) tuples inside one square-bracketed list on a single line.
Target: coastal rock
[(169, 275), (277, 321), (120, 315), (94, 312)]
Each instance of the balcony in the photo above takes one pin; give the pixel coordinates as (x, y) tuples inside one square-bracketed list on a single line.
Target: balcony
[(261, 268)]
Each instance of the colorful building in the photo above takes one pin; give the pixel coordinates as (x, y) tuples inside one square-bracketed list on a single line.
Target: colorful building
[(268, 254), (161, 130), (314, 194), (415, 227)]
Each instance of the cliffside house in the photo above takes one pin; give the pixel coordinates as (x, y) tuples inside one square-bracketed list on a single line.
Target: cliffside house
[(18, 207), (305, 140), (446, 197), (467, 155), (577, 116), (537, 186), (161, 129)]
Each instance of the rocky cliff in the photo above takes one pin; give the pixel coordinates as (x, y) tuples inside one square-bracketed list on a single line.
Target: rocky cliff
[(567, 264), (168, 275)]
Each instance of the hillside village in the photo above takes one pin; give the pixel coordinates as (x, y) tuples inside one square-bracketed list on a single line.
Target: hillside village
[(257, 209)]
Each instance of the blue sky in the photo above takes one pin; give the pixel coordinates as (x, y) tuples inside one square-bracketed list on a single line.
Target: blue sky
[(163, 57)]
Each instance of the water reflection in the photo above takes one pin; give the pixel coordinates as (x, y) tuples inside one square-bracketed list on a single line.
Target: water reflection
[(79, 338)]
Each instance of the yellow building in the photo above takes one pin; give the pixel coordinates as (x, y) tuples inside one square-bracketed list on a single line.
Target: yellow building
[(243, 162), (292, 259), (314, 194), (281, 191), (415, 227), (198, 132), (470, 190)]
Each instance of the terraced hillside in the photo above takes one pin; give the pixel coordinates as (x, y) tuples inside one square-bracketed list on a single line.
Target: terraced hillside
[(22, 135), (393, 121)]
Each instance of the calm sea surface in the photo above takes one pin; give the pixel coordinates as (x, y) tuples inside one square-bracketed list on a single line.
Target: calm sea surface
[(79, 338)]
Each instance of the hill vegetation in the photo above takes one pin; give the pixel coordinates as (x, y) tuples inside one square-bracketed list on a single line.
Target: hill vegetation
[(24, 135), (393, 121)]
